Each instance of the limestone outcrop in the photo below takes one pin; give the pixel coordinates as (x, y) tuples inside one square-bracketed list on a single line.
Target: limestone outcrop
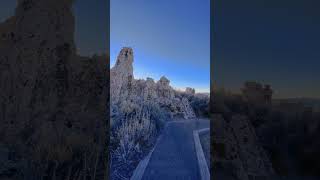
[(124, 87)]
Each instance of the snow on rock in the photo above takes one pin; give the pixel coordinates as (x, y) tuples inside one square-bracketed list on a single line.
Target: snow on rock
[(125, 87)]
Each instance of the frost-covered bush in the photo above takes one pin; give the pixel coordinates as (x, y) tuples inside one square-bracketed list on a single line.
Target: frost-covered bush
[(130, 136), (137, 124), (200, 104), (158, 115), (134, 129), (198, 101)]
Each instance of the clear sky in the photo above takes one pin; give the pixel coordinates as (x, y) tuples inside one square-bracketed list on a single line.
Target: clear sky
[(271, 41), (169, 37)]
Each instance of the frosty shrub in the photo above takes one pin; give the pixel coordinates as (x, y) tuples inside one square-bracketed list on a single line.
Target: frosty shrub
[(135, 126), (157, 115), (200, 105)]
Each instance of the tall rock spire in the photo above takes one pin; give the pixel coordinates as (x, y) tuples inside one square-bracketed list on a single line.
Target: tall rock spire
[(125, 59), (121, 75)]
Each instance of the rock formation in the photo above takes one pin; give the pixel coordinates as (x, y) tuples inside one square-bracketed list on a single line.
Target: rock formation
[(124, 87), (190, 90), (187, 109), (50, 96), (121, 75)]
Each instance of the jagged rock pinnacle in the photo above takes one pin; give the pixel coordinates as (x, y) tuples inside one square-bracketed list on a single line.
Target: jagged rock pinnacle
[(121, 74), (125, 56), (124, 63)]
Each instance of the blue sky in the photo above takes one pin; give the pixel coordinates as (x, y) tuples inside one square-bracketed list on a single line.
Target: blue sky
[(170, 38)]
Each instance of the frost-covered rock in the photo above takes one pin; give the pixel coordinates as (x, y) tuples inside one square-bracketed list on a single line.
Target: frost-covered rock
[(187, 109), (150, 89), (121, 75), (124, 87)]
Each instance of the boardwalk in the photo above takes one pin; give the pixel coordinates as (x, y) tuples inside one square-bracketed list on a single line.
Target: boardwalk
[(174, 156)]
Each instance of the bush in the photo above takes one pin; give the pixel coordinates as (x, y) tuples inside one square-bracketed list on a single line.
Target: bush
[(136, 125), (200, 105)]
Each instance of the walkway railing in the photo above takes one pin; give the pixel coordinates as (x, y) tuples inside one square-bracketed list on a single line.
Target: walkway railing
[(203, 166)]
